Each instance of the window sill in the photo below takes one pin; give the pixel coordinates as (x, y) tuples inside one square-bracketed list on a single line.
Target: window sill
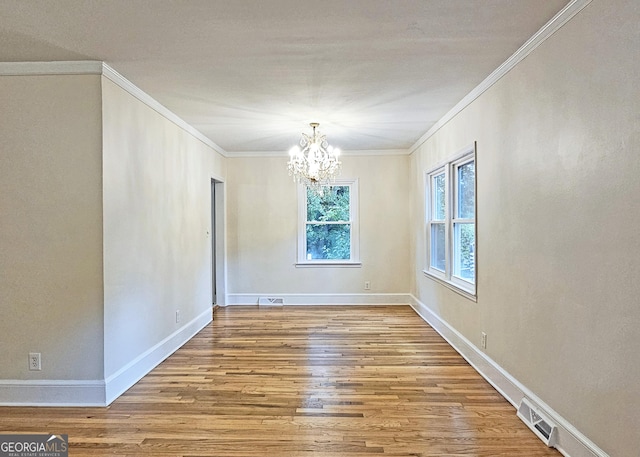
[(470, 294), (328, 264)]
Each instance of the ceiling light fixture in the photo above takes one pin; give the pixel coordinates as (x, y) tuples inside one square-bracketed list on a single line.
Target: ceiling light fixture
[(314, 163)]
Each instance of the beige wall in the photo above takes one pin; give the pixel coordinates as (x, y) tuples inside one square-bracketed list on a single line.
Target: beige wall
[(262, 230), (106, 229), (558, 210), (51, 227), (157, 225), (558, 215)]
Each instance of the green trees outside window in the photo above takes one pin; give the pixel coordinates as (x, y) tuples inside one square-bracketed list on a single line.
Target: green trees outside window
[(328, 224), (464, 229), (451, 221)]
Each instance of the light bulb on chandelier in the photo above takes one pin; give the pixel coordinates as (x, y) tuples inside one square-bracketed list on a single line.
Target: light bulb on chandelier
[(314, 163)]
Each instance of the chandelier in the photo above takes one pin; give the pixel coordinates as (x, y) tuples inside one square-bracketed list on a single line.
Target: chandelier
[(314, 163)]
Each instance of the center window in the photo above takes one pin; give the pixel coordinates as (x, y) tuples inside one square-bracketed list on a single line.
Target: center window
[(329, 227)]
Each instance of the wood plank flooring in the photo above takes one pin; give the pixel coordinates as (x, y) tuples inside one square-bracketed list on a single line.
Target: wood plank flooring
[(300, 381)]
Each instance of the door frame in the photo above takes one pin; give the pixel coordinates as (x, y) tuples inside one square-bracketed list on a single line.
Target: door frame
[(218, 242)]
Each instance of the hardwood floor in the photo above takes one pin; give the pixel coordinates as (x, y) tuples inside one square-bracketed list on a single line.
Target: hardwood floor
[(300, 381)]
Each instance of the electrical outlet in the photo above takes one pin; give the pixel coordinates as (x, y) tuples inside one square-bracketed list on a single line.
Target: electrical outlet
[(484, 341), (367, 285), (177, 316), (35, 361)]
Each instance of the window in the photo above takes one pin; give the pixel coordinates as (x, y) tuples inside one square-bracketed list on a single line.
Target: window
[(328, 228), (451, 222)]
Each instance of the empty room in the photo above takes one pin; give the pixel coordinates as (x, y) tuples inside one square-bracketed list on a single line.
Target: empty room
[(331, 228)]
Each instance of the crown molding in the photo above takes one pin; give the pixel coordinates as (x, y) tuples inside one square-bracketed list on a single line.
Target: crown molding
[(343, 153), (76, 67), (152, 103), (254, 154), (560, 19), (376, 152), (95, 67)]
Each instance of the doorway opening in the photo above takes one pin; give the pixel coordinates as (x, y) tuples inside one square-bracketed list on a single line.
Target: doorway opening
[(218, 276)]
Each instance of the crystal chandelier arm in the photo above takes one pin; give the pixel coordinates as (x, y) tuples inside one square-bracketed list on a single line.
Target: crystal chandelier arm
[(316, 164)]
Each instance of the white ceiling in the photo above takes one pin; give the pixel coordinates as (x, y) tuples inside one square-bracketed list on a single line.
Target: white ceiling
[(251, 74)]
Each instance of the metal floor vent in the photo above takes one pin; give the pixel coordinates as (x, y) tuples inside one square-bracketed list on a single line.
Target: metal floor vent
[(270, 301), (537, 422)]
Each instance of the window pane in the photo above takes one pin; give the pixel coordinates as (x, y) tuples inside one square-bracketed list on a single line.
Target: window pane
[(437, 246), (437, 190), (328, 242), (464, 248), (466, 190), (332, 205)]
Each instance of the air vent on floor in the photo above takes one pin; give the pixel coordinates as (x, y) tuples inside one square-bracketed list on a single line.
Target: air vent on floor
[(270, 301), (537, 422)]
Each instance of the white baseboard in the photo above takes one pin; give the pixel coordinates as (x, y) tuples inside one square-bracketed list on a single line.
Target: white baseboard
[(119, 382), (570, 442), (54, 392), (51, 392), (324, 299)]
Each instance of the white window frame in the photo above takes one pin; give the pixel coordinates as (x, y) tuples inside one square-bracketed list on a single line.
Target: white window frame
[(451, 220), (354, 260), (432, 221)]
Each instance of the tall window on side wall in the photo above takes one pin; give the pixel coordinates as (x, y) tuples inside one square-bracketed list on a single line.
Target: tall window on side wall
[(451, 222), (328, 225)]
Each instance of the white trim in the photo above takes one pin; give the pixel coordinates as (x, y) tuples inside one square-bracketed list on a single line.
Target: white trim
[(570, 441), (458, 156), (51, 392), (73, 392), (54, 392), (323, 299), (328, 264), (430, 221), (560, 19), (152, 103), (449, 169), (354, 223), (94, 67), (128, 375), (456, 287), (343, 153), (76, 67), (374, 152), (221, 240), (256, 154)]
